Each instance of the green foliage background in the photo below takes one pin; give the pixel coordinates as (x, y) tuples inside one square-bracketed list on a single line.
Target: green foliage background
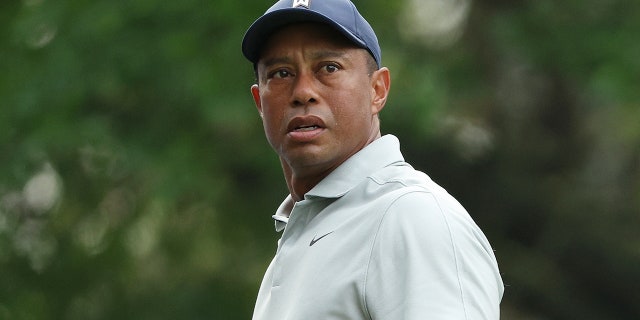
[(136, 183)]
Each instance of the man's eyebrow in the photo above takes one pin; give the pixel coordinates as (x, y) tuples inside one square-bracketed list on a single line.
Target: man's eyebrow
[(316, 55), (276, 60), (327, 54)]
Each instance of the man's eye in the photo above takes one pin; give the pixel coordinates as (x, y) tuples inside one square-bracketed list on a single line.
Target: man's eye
[(330, 68), (280, 74)]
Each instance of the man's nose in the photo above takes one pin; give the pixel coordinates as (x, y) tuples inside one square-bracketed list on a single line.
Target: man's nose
[(304, 90)]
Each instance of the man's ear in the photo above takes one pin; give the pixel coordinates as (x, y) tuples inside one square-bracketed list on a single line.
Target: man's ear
[(255, 92), (380, 85)]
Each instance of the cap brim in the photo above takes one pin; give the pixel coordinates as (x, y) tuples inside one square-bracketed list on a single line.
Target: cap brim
[(259, 32)]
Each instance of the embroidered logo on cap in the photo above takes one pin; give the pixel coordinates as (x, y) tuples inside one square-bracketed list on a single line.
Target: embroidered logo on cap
[(300, 3)]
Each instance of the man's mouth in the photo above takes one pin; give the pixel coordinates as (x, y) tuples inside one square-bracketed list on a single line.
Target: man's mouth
[(306, 128), (305, 124)]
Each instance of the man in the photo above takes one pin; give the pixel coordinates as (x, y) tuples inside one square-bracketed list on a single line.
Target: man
[(364, 235)]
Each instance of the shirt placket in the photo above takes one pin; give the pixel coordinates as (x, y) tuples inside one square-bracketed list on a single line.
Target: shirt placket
[(298, 219)]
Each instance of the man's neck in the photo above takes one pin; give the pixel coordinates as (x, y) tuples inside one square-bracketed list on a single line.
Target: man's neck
[(298, 184)]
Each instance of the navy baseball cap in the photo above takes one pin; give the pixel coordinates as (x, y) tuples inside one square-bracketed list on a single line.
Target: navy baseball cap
[(340, 14)]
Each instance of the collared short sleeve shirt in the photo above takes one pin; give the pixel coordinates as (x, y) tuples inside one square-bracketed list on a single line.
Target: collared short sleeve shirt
[(377, 239)]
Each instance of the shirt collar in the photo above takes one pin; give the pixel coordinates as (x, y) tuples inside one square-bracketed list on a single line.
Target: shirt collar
[(378, 154), (282, 214)]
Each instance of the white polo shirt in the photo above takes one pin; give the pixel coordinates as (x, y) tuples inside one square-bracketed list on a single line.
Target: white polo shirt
[(379, 240)]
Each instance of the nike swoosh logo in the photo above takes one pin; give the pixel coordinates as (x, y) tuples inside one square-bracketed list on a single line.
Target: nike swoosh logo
[(314, 240)]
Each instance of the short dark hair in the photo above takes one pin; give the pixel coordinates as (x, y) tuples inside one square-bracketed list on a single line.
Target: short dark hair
[(372, 65)]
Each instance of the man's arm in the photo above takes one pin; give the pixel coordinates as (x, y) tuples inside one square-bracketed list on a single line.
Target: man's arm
[(431, 261)]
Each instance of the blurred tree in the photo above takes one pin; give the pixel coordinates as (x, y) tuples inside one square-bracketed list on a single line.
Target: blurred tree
[(135, 181)]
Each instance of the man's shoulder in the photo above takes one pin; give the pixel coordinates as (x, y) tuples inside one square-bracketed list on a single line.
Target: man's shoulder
[(402, 175), (401, 180)]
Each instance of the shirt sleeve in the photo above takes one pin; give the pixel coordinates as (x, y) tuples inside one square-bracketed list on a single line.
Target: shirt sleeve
[(430, 260)]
